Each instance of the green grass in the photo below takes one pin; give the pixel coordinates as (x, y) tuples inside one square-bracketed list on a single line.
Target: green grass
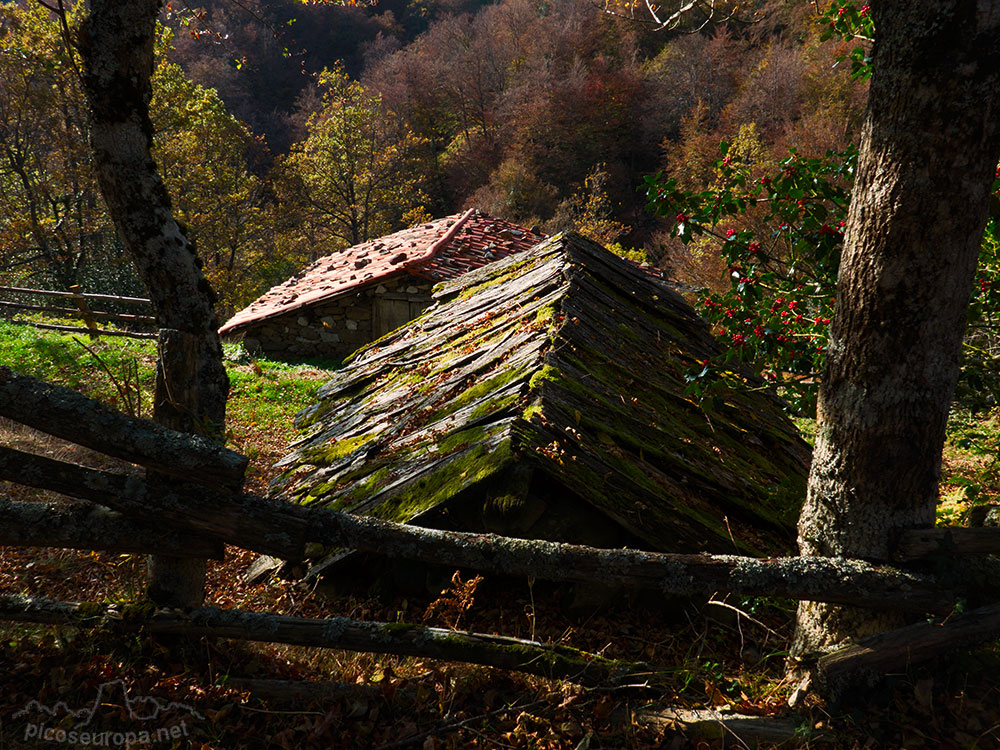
[(264, 394), (64, 359)]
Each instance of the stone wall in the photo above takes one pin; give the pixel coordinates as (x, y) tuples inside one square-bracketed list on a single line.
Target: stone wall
[(337, 327)]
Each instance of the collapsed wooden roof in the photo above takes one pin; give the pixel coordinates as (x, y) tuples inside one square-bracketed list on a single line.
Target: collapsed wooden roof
[(564, 361)]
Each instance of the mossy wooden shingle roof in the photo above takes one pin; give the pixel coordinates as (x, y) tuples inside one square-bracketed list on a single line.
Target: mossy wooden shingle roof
[(566, 362)]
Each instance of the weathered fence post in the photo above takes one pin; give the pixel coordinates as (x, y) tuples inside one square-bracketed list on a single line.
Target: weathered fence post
[(85, 315)]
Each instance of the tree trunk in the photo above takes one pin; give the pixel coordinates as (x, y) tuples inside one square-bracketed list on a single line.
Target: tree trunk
[(928, 152), (116, 42)]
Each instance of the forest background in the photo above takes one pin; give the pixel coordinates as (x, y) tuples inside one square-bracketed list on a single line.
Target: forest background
[(286, 131)]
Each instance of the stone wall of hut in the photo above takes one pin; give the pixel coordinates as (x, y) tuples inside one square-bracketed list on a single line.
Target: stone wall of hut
[(339, 326)]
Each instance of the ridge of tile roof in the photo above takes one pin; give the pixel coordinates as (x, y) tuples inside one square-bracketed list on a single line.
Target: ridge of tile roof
[(435, 250)]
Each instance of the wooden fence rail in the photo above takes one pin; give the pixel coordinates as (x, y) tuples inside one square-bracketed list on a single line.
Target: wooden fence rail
[(207, 508), (82, 310)]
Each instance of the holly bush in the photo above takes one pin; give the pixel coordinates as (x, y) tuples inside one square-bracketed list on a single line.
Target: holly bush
[(780, 232)]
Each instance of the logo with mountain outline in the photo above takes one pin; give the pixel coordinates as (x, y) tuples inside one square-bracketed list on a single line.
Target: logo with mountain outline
[(46, 722)]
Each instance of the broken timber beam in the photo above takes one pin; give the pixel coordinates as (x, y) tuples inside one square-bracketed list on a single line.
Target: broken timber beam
[(897, 649), (282, 529), (86, 526), (72, 416), (915, 544), (532, 657)]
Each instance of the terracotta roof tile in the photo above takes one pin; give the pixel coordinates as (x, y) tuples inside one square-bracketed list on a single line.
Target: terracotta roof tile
[(437, 250)]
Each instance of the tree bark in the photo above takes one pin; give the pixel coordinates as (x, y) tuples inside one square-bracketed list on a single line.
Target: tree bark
[(282, 529), (83, 525), (532, 657), (116, 43), (174, 580), (928, 152)]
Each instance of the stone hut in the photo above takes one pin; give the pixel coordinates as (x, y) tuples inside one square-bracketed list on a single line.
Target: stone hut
[(543, 396), (357, 295)]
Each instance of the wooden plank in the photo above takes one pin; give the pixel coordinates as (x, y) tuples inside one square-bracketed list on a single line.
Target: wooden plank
[(84, 308), (72, 416), (898, 649)]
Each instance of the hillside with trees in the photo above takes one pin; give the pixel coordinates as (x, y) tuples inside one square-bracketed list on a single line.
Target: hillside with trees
[(549, 115)]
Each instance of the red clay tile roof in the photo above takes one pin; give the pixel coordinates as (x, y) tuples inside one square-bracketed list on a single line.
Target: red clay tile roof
[(437, 250)]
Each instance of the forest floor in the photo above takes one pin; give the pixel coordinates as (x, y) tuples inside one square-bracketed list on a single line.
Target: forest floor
[(728, 656)]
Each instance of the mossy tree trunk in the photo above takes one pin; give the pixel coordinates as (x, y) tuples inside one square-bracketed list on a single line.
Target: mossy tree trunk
[(116, 43), (928, 152)]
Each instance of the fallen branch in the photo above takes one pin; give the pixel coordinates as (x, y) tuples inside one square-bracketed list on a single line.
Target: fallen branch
[(281, 529), (72, 416), (248, 521), (894, 650), (552, 661), (83, 525), (747, 731)]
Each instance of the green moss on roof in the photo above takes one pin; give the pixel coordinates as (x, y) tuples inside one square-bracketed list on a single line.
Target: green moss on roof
[(571, 361)]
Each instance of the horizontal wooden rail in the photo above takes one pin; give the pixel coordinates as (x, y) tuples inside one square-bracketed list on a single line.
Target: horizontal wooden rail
[(71, 295), (282, 529), (81, 329), (915, 544), (86, 526), (72, 416), (897, 650), (74, 313)]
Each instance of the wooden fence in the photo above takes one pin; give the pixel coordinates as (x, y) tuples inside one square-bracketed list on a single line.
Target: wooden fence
[(84, 308), (195, 505)]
